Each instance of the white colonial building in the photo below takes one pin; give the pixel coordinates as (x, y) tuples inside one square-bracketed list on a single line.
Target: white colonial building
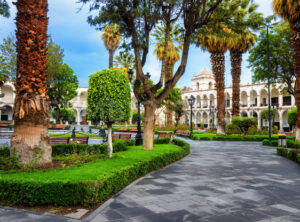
[(253, 99)]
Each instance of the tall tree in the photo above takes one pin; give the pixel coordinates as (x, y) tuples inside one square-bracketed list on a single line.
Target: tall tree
[(173, 50), (290, 11), (136, 20), (4, 8), (62, 89), (55, 56), (111, 37), (8, 58), (216, 42), (125, 61), (245, 20), (281, 58), (30, 139)]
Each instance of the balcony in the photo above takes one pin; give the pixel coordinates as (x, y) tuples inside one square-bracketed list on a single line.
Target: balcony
[(244, 105), (263, 105)]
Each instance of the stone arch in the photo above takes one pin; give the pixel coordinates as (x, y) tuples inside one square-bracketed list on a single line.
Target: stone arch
[(227, 117), (198, 86), (205, 119), (198, 101), (210, 85), (253, 98), (227, 99), (244, 99), (275, 97), (211, 100), (244, 114), (6, 113), (8, 92), (263, 97), (198, 118), (205, 101), (83, 119)]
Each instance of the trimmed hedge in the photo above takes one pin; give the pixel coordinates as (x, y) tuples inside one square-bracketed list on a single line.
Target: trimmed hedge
[(235, 138), (34, 189), (292, 154), (290, 143), (4, 152)]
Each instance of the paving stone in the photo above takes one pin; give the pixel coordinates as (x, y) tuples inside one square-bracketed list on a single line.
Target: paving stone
[(77, 215)]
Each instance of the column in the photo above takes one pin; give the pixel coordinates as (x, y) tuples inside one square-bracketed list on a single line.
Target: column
[(281, 121), (258, 100), (249, 101), (293, 100), (78, 117), (258, 120), (280, 100)]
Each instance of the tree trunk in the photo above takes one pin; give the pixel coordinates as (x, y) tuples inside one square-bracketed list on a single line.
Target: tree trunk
[(111, 58), (149, 124), (218, 67), (30, 140), (295, 39), (236, 63), (169, 113), (109, 140)]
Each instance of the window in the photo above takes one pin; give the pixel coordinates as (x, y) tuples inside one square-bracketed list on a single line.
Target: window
[(287, 100)]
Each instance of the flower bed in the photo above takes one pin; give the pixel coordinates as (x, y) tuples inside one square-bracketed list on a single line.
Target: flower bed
[(90, 183)]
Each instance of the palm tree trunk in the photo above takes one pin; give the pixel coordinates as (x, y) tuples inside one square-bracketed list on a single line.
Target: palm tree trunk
[(218, 67), (296, 46), (111, 58), (169, 114), (30, 140), (236, 63)]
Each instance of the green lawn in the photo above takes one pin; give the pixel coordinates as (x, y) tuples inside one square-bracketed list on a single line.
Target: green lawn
[(86, 184), (94, 170), (91, 135)]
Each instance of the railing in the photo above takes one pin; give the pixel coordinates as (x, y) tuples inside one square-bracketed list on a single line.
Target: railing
[(263, 105), (287, 103), (205, 107)]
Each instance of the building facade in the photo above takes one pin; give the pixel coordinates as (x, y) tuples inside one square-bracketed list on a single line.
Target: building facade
[(253, 99)]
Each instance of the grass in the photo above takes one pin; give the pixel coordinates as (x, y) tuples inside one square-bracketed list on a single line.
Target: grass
[(83, 134), (93, 171)]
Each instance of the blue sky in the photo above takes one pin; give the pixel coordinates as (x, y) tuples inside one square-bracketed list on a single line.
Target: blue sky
[(86, 54)]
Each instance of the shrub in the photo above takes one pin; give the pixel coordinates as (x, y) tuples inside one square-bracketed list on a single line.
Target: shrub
[(165, 140), (74, 190), (244, 123), (279, 151), (119, 145), (292, 116), (62, 149), (232, 129), (4, 152)]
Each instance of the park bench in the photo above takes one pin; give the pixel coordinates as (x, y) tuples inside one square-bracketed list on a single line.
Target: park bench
[(179, 132), (123, 129), (115, 136), (164, 135), (125, 136), (68, 140), (59, 140)]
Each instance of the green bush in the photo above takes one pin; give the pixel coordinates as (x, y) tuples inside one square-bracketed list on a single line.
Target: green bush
[(4, 152), (292, 116), (232, 129), (279, 151), (120, 145), (244, 123), (298, 157), (291, 154), (165, 140), (62, 149), (89, 184)]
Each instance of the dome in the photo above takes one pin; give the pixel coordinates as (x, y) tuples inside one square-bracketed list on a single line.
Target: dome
[(204, 75)]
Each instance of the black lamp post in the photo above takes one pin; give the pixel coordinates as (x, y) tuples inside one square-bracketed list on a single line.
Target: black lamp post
[(191, 103), (138, 138), (269, 92)]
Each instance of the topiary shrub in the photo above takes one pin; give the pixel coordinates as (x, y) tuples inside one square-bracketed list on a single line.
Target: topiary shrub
[(232, 129), (292, 116), (244, 123)]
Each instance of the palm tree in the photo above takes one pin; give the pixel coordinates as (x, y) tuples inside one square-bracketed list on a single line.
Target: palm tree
[(125, 61), (290, 11), (245, 18), (215, 40), (238, 44), (30, 140), (173, 49), (111, 37)]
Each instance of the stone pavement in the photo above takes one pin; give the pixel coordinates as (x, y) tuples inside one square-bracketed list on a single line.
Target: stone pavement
[(219, 181)]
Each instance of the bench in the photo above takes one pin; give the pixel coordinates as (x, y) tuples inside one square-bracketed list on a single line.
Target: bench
[(164, 135), (123, 129), (121, 136), (59, 140), (180, 132), (68, 140)]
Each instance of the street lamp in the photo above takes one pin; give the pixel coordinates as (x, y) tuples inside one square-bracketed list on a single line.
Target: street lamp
[(191, 103), (213, 110), (138, 138)]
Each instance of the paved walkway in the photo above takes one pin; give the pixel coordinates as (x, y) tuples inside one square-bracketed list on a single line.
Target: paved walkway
[(219, 181)]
